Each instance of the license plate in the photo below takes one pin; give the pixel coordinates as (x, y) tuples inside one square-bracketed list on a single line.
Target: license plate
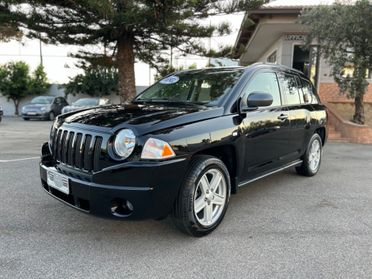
[(58, 181), (31, 113)]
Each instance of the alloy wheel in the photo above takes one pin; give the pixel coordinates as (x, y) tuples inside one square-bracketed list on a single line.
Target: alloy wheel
[(210, 197), (314, 155)]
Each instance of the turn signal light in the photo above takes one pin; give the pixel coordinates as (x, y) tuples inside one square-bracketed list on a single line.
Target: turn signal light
[(157, 149)]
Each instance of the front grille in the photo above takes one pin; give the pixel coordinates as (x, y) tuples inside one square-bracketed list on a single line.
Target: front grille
[(77, 149)]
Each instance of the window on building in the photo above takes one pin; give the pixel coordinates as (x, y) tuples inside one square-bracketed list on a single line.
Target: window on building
[(290, 89), (348, 71), (264, 82), (305, 60), (272, 57)]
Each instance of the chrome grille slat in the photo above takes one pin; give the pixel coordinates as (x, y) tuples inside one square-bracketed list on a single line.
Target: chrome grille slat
[(70, 152), (77, 150), (86, 158), (64, 146), (97, 153)]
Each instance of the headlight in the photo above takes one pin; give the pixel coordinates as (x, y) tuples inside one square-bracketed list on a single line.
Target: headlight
[(124, 144), (43, 109), (157, 149)]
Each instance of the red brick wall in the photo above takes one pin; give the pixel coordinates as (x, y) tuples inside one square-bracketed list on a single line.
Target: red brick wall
[(350, 131), (329, 92)]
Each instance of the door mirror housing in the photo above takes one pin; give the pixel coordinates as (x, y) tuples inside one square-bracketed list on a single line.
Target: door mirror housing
[(255, 100)]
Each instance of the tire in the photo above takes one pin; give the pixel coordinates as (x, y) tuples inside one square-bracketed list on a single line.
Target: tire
[(312, 158), (51, 116), (26, 118), (197, 188)]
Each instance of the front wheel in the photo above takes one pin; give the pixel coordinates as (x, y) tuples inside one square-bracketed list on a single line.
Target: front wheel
[(312, 157), (203, 199), (51, 116)]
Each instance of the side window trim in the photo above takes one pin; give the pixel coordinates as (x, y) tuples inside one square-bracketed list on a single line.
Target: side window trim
[(301, 91)]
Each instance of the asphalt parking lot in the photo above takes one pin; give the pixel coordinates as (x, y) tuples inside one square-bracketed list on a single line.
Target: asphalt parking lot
[(284, 226)]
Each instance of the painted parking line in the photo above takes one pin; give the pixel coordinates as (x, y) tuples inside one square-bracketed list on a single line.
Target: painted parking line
[(21, 159)]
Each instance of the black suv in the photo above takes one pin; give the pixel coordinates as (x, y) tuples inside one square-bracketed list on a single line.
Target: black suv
[(184, 144)]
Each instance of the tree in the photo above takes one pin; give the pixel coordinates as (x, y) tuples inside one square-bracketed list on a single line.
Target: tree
[(8, 26), (17, 83), (168, 69), (129, 29), (344, 35), (39, 81), (97, 81)]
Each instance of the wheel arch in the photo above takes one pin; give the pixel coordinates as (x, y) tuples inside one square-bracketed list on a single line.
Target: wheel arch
[(322, 133), (227, 154)]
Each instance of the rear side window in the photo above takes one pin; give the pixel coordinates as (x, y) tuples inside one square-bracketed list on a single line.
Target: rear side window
[(309, 92), (290, 89), (266, 83)]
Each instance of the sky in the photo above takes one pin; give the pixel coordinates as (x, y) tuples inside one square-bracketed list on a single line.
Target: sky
[(60, 67)]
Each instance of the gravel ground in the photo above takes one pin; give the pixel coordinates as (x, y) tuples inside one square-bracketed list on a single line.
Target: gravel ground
[(284, 226)]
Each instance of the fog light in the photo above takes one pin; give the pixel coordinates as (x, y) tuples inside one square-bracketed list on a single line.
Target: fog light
[(121, 207)]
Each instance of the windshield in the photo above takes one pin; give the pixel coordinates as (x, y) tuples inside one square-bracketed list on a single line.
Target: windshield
[(201, 87), (86, 102), (42, 100)]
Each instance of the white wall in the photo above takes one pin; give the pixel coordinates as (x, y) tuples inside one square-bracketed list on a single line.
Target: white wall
[(277, 46)]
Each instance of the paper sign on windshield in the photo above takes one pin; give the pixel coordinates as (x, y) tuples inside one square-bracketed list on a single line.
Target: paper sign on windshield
[(170, 80)]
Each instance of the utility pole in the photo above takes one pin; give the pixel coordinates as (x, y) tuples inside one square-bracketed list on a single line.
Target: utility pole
[(171, 53), (41, 53), (210, 45)]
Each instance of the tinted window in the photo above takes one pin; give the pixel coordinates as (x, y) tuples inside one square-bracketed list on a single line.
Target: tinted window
[(263, 82), (309, 92), (290, 89)]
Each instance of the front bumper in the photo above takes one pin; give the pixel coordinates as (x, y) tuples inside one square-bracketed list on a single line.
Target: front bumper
[(36, 115), (151, 187)]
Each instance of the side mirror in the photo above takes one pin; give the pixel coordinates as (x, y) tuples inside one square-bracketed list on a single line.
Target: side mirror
[(257, 99)]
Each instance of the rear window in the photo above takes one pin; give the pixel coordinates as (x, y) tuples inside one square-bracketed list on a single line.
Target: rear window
[(308, 91), (290, 89)]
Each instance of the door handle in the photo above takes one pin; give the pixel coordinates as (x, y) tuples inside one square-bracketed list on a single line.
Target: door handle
[(283, 117)]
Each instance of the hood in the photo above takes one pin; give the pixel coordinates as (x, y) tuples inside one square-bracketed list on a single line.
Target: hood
[(142, 118)]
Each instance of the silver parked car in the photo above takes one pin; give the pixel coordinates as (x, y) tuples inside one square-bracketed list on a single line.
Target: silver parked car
[(85, 103), (43, 107)]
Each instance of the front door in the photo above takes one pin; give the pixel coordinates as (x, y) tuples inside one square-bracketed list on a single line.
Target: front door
[(265, 130)]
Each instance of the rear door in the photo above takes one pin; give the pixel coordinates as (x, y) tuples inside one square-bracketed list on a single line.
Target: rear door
[(266, 130), (298, 112)]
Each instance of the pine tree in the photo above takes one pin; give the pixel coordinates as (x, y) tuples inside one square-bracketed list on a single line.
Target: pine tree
[(131, 30)]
